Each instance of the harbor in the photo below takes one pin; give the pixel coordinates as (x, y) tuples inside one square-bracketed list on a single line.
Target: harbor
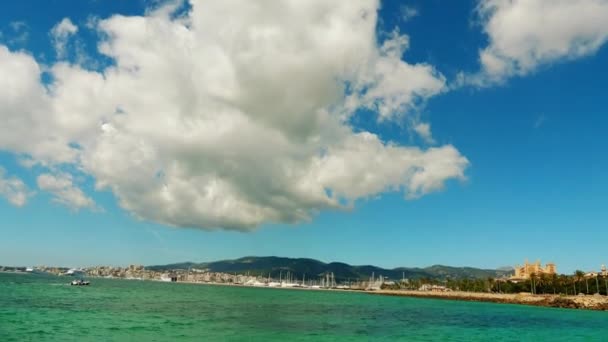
[(529, 284)]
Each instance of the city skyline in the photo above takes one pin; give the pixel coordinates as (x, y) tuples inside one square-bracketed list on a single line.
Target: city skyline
[(392, 134)]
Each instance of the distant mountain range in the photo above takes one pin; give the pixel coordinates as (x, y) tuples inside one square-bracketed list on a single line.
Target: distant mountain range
[(314, 268)]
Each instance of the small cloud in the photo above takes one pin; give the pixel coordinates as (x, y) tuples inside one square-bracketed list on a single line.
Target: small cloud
[(27, 161), (554, 32), (64, 192), (83, 58), (20, 32), (408, 12), (424, 131), (18, 26), (13, 189), (92, 22), (540, 121), (61, 33)]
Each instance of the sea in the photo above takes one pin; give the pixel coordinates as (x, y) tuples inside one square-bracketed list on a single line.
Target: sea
[(37, 307)]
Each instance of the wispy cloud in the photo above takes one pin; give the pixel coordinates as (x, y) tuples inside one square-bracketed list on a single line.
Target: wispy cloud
[(540, 121), (61, 34), (13, 189), (424, 131), (64, 192), (20, 33), (408, 12)]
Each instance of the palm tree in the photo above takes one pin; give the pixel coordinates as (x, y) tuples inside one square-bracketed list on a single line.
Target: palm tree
[(562, 283), (554, 281), (578, 275), (542, 280), (533, 282)]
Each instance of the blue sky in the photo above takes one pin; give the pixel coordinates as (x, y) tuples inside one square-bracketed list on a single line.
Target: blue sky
[(532, 132)]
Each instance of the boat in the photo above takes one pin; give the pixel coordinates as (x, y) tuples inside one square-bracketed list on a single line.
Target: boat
[(80, 282), (73, 272), (168, 278)]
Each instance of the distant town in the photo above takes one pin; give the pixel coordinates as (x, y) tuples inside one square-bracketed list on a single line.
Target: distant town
[(529, 284), (529, 277), (139, 272)]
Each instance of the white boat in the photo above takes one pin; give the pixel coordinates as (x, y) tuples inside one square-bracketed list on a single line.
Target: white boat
[(74, 272), (79, 282), (253, 282), (168, 278), (284, 284)]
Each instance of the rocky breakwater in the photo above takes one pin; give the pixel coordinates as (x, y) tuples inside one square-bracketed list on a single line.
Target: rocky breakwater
[(588, 302)]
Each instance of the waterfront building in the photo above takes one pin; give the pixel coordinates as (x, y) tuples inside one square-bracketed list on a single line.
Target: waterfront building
[(524, 271), (433, 288)]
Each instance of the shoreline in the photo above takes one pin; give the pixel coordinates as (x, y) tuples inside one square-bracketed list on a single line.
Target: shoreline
[(587, 302), (584, 302)]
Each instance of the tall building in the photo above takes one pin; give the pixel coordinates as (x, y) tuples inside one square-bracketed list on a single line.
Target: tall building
[(524, 271)]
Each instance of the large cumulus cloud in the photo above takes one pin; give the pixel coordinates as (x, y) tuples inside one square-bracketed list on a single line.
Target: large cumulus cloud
[(231, 115)]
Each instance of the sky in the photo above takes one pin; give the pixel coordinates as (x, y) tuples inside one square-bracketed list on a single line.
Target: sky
[(393, 133)]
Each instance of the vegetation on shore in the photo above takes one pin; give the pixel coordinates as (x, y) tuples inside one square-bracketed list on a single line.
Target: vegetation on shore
[(562, 284)]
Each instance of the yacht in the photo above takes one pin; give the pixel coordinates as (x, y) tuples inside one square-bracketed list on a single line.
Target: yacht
[(79, 282)]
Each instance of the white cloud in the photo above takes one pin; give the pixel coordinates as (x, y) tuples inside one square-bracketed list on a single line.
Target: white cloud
[(424, 131), (231, 116), (524, 35), (408, 12), (91, 22), (64, 192), (29, 122), (60, 34), (540, 121), (13, 189), (20, 33), (345, 169), (392, 87)]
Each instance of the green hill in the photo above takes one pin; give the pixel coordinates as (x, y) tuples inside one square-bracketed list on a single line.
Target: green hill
[(311, 268)]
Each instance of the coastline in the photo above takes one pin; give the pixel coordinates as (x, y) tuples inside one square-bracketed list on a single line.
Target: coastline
[(587, 302), (584, 302)]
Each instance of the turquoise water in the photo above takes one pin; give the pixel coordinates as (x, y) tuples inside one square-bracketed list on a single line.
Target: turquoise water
[(44, 308)]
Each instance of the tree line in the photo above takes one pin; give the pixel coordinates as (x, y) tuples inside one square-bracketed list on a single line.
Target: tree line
[(574, 284)]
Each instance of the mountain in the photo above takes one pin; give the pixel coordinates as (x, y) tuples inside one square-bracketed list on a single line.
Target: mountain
[(314, 268)]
